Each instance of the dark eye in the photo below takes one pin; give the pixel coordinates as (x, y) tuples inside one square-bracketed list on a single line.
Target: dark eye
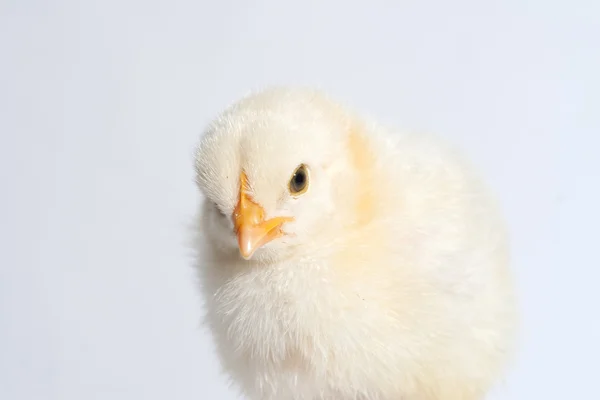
[(299, 182)]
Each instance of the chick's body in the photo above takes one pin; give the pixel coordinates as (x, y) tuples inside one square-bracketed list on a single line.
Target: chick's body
[(392, 280)]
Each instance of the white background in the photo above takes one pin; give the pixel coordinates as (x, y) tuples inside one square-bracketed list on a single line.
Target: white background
[(101, 104)]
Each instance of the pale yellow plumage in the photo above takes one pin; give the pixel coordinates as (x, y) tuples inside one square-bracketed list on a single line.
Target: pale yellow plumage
[(387, 279)]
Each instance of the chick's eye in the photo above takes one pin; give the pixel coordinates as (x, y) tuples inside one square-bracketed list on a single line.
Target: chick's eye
[(299, 182)]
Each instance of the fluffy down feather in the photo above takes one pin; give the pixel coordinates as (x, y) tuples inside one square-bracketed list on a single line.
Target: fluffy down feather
[(392, 280)]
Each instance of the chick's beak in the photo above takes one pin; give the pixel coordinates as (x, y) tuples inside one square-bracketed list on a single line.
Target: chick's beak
[(249, 223)]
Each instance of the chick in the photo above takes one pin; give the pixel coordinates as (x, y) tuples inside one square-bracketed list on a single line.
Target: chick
[(341, 260)]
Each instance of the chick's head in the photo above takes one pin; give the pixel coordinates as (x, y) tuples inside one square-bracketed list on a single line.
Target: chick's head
[(274, 172)]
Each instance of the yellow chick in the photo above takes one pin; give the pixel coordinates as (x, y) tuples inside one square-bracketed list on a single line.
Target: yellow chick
[(340, 260)]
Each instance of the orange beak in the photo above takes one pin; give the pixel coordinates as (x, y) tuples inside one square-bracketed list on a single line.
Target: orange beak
[(249, 223)]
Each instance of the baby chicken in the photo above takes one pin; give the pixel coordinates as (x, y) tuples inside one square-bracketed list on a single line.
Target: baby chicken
[(340, 260)]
